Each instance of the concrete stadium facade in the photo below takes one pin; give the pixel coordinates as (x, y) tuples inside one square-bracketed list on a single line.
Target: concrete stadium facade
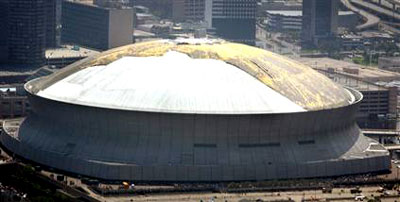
[(159, 146)]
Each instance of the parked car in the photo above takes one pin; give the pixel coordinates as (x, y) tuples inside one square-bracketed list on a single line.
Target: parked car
[(359, 197)]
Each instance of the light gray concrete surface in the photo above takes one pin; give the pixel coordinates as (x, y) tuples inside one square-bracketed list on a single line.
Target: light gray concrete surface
[(144, 146)]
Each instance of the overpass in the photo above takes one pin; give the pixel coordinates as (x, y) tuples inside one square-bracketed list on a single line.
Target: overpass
[(377, 9), (387, 27), (391, 147), (382, 133), (393, 2), (371, 20)]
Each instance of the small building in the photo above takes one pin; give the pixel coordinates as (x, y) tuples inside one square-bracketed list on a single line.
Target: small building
[(380, 100), (158, 29), (68, 54), (351, 41), (291, 20), (13, 101), (389, 63), (145, 18), (377, 37), (284, 20), (281, 5)]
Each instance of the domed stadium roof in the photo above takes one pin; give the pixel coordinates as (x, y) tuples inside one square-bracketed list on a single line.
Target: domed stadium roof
[(192, 76)]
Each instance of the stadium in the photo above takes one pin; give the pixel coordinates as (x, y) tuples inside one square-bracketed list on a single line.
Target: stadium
[(194, 110)]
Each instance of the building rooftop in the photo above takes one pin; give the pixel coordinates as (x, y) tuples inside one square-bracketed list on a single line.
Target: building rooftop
[(299, 13), (141, 33), (351, 36), (11, 126), (91, 3), (375, 34), (70, 51), (88, 2), (7, 89), (291, 13), (124, 84), (222, 77), (11, 71), (352, 82), (365, 73)]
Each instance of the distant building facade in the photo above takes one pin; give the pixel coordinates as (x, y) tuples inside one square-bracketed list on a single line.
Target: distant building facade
[(4, 32), (389, 63), (51, 23), (25, 37), (378, 101), (96, 27), (194, 10), (320, 20), (351, 41), (235, 20), (291, 20), (178, 10), (27, 28), (13, 102), (382, 101), (284, 20)]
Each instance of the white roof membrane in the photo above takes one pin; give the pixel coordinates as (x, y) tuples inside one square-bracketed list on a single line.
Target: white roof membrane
[(173, 82)]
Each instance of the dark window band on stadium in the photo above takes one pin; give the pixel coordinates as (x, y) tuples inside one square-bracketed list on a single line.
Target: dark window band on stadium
[(272, 144), (205, 145), (305, 142)]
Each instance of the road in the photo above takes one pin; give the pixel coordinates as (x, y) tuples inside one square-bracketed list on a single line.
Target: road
[(277, 45), (268, 44), (337, 195), (292, 48)]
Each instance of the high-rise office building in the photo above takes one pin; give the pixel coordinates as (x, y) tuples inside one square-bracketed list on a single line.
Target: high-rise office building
[(4, 32), (319, 20), (51, 23), (178, 10), (28, 27), (189, 10), (27, 36), (235, 20), (96, 27)]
